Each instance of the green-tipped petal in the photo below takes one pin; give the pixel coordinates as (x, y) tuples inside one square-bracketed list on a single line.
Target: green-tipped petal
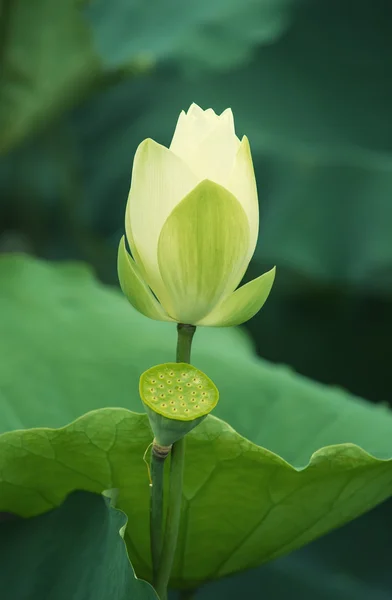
[(242, 304), (135, 288), (201, 246)]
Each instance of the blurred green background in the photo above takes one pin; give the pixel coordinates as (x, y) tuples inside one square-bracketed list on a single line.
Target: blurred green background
[(309, 82)]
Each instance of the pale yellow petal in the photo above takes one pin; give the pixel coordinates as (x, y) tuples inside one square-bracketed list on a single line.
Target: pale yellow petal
[(228, 118), (160, 180), (206, 142), (191, 129), (242, 184), (195, 110), (214, 157)]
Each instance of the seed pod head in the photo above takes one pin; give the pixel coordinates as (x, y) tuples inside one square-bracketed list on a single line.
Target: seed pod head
[(177, 397)]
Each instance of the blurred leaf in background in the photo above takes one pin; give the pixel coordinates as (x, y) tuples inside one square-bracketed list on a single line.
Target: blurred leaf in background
[(208, 35), (47, 60), (320, 136)]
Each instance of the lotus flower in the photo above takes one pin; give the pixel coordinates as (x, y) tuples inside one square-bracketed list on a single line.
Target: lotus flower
[(191, 222)]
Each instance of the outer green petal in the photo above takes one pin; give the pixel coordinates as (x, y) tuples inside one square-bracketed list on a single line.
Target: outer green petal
[(135, 288), (131, 242), (242, 304), (201, 246)]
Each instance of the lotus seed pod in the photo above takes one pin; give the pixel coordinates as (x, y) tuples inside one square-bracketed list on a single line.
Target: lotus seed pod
[(177, 397)]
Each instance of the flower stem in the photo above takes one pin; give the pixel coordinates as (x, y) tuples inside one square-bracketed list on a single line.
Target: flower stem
[(184, 343), (172, 517), (156, 507)]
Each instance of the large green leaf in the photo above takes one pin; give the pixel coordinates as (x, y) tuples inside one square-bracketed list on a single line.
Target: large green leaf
[(70, 345), (46, 58), (350, 563), (242, 506), (74, 551), (348, 570)]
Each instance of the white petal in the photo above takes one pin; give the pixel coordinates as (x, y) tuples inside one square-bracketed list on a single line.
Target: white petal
[(160, 180), (214, 157), (191, 129), (227, 116), (206, 142), (195, 110)]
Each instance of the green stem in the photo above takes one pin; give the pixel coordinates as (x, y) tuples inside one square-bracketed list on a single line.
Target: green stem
[(184, 343), (172, 517), (156, 508)]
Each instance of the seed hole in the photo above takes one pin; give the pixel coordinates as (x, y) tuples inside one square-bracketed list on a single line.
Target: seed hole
[(188, 384), (171, 373), (154, 398), (161, 375), (178, 380), (153, 380), (181, 397), (168, 382), (183, 404), (193, 399), (200, 387), (152, 390), (197, 406), (179, 388), (183, 374), (163, 405), (204, 393), (161, 385), (170, 391), (161, 395), (193, 393), (186, 410), (174, 409)]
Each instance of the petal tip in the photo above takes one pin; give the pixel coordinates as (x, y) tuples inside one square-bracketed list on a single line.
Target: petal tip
[(272, 272), (121, 245), (144, 147), (244, 144), (194, 109)]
